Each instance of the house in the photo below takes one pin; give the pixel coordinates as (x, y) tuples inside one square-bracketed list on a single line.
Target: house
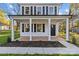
[(39, 21)]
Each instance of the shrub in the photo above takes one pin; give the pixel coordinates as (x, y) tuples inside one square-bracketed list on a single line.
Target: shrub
[(73, 40), (8, 39)]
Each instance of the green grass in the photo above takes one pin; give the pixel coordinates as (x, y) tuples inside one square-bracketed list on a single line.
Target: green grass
[(5, 34), (3, 39), (39, 54)]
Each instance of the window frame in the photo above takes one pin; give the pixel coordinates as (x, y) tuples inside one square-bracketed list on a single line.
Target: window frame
[(38, 9), (27, 10), (34, 27)]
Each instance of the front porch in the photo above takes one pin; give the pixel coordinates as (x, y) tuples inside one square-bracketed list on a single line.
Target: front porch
[(41, 36)]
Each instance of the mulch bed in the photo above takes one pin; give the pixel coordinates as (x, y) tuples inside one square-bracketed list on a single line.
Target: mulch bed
[(33, 44)]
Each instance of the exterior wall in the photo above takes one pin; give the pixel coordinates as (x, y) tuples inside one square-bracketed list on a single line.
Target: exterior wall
[(46, 33), (24, 38), (39, 5)]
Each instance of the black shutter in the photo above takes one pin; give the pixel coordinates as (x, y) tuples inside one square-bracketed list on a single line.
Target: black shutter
[(31, 10), (43, 27), (34, 27), (22, 27), (34, 10), (22, 10), (46, 10)]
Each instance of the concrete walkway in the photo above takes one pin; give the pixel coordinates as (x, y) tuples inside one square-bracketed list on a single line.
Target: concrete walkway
[(68, 45), (70, 49)]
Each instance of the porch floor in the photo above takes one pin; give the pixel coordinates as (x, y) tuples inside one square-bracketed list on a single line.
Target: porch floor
[(40, 38)]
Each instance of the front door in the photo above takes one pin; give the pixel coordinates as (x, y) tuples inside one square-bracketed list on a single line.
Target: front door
[(53, 27)]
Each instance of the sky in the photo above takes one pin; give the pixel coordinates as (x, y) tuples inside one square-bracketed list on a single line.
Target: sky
[(64, 8), (13, 8), (9, 8)]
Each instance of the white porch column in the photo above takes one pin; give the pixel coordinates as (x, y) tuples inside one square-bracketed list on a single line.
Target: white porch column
[(67, 29), (49, 25), (12, 25), (30, 29), (57, 29)]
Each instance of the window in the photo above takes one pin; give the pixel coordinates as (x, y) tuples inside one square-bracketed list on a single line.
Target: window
[(22, 10), (27, 11), (27, 28), (39, 28), (50, 10), (22, 27), (38, 10), (35, 27)]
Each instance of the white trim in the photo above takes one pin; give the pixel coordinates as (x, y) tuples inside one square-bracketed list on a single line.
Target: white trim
[(33, 27), (30, 29), (57, 10), (12, 39), (49, 25), (57, 29), (27, 17), (67, 29)]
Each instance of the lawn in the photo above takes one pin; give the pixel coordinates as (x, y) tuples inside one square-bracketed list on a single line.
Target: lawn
[(5, 34)]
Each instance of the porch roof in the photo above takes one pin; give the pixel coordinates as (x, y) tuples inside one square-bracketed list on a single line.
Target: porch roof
[(41, 16)]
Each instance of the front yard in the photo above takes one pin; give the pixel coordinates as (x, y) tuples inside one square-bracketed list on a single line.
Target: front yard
[(5, 34), (74, 37)]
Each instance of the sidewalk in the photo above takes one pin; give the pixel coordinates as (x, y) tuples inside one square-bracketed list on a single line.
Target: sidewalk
[(32, 50), (70, 49)]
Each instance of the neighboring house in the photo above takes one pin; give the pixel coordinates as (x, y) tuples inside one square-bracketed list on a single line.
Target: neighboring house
[(39, 21)]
